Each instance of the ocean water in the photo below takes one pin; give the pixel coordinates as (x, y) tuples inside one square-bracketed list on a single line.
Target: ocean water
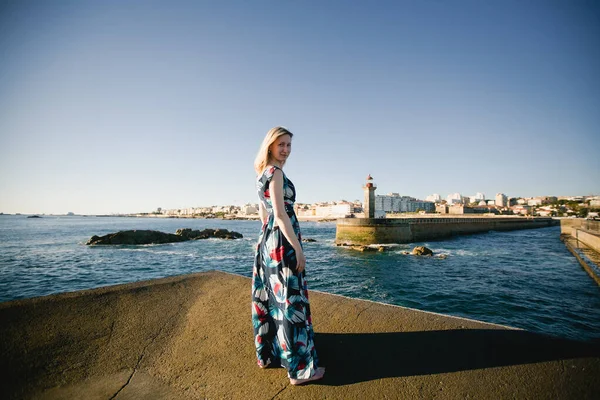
[(525, 279)]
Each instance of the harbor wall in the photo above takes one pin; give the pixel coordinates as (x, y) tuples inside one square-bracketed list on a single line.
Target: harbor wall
[(589, 239), (585, 230), (568, 224), (364, 231)]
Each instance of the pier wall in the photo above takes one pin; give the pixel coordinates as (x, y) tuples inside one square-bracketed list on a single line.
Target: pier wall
[(589, 239), (407, 230), (584, 230), (190, 337), (568, 224)]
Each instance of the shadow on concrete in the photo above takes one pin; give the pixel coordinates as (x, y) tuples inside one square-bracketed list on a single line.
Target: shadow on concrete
[(360, 357)]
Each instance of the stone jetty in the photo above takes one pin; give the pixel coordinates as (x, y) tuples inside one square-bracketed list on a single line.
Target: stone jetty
[(365, 231), (190, 337)]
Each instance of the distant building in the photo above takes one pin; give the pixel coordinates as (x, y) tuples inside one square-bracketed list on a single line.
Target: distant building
[(545, 211), (501, 200), (477, 198), (304, 210), (394, 203), (249, 209), (419, 205), (339, 210), (535, 202), (521, 209), (435, 198), (459, 209), (455, 198)]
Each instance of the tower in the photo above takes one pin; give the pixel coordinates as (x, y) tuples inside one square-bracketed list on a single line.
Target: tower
[(369, 203)]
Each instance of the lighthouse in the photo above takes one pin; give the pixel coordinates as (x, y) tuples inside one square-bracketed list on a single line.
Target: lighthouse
[(369, 204)]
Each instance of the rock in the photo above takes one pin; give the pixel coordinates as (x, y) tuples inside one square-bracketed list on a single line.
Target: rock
[(363, 248), (421, 251), (136, 237), (308, 240), (155, 237), (34, 216), (190, 234)]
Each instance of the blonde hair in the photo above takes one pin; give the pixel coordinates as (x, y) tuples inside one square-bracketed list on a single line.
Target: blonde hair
[(263, 157)]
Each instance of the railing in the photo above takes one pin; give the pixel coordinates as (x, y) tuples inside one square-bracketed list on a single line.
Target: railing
[(568, 224), (591, 225)]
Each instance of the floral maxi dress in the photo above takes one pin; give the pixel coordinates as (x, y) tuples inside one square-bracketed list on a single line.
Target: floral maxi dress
[(283, 332)]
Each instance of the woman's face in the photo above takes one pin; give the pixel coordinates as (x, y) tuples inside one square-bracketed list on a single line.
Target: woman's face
[(281, 148)]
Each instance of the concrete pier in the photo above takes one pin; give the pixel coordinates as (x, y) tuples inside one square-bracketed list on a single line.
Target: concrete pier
[(365, 231), (190, 337), (582, 238)]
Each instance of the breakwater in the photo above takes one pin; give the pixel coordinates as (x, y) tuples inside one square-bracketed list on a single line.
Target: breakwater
[(159, 339), (364, 231), (584, 230), (582, 238)]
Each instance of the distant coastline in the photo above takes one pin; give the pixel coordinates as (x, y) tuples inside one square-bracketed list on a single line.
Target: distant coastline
[(231, 217)]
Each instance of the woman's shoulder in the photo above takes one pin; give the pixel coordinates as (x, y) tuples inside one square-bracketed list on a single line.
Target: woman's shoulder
[(270, 170)]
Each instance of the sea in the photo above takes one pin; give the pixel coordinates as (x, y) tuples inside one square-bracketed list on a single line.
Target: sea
[(525, 279)]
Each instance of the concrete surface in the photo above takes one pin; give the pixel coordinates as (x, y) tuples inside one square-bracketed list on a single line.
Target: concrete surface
[(589, 238), (588, 257), (190, 337), (567, 225)]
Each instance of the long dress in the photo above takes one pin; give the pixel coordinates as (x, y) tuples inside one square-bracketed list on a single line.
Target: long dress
[(283, 332)]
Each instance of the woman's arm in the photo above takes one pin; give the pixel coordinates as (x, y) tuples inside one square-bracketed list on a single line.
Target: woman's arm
[(283, 220)]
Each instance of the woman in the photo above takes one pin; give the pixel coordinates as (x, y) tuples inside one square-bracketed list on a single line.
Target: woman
[(283, 332)]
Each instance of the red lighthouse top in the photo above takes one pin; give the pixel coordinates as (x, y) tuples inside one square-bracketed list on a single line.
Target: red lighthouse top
[(369, 177)]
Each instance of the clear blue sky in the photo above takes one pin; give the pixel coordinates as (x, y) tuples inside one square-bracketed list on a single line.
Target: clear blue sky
[(126, 106)]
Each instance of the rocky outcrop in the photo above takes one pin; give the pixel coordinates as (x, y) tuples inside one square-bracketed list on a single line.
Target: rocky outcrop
[(190, 234), (138, 237), (366, 249), (308, 240), (421, 251)]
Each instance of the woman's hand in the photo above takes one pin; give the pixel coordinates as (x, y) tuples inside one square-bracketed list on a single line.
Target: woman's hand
[(300, 261)]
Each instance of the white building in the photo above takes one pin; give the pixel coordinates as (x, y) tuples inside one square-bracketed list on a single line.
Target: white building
[(339, 210), (436, 198), (477, 198), (501, 200), (454, 198), (535, 202), (394, 203), (249, 209)]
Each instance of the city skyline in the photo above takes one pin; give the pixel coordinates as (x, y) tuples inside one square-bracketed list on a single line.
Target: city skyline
[(120, 107), (354, 201)]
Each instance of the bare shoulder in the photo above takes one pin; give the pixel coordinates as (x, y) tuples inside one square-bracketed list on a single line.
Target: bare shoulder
[(277, 173)]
